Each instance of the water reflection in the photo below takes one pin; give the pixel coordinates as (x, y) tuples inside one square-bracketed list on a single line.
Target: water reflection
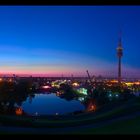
[(23, 103), (51, 104), (42, 104), (10, 101)]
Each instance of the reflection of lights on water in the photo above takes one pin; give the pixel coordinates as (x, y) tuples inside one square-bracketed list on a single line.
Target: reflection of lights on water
[(57, 93)]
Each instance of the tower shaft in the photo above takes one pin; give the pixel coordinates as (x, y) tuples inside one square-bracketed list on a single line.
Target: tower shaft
[(119, 54), (119, 71)]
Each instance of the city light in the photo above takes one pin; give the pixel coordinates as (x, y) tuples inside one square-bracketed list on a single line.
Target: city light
[(110, 95), (117, 95), (75, 84), (46, 87), (18, 111), (56, 114), (82, 91), (81, 99), (36, 113)]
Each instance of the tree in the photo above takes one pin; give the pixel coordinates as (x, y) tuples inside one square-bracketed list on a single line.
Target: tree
[(68, 92)]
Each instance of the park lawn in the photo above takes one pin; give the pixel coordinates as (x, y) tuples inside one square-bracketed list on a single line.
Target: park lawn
[(38, 122), (131, 126), (17, 121), (120, 111)]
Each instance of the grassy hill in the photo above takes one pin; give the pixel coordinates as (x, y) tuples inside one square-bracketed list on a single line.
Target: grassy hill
[(127, 111)]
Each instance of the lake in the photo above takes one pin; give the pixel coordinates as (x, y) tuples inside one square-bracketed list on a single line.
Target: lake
[(50, 104)]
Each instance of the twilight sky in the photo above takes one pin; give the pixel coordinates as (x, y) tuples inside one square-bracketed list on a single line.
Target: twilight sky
[(56, 40)]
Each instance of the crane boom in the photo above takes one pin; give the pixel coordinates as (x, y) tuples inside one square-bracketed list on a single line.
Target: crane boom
[(89, 77)]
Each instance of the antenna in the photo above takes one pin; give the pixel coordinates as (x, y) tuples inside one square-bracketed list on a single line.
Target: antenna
[(120, 38)]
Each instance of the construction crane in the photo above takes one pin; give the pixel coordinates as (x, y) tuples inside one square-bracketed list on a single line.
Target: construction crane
[(89, 77), (91, 83)]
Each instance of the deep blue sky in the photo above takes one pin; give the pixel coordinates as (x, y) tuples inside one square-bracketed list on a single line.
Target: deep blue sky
[(56, 40)]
